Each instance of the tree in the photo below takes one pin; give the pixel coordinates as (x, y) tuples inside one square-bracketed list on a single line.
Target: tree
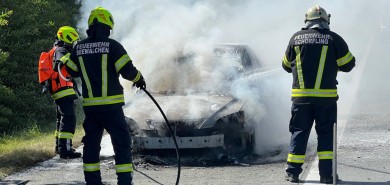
[(6, 94), (6, 98), (22, 39)]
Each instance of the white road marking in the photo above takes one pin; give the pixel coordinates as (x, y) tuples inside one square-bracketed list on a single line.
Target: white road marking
[(313, 176)]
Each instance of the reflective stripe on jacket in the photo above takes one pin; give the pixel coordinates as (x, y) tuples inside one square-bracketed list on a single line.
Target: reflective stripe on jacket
[(99, 62), (314, 57)]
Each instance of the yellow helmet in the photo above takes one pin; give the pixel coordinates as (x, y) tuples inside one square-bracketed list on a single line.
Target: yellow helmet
[(316, 12), (67, 34), (101, 15)]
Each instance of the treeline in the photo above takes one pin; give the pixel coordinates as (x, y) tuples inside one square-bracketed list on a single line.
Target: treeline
[(28, 27)]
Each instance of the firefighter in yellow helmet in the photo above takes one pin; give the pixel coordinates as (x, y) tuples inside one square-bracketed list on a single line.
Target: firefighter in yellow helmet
[(63, 93), (314, 56), (99, 61)]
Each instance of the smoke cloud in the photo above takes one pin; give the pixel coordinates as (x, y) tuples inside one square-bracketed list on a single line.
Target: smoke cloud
[(157, 33)]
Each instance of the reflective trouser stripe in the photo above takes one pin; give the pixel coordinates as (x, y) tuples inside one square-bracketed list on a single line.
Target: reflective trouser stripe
[(56, 133), (63, 93), (325, 155), (120, 168), (91, 167), (65, 135), (296, 158)]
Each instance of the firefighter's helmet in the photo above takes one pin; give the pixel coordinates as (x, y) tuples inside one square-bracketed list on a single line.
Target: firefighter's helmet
[(316, 12), (101, 15), (67, 34)]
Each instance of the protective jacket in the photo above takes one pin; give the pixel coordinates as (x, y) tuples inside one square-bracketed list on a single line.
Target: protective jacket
[(314, 57), (60, 88), (99, 61)]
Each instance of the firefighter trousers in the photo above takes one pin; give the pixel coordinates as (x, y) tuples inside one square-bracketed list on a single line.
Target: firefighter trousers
[(66, 123), (114, 123), (324, 114)]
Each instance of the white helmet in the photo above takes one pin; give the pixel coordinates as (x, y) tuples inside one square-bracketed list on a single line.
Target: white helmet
[(317, 12)]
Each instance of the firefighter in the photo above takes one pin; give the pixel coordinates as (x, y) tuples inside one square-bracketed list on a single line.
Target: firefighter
[(99, 61), (314, 56), (63, 94)]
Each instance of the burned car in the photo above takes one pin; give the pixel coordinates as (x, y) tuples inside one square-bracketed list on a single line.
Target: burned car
[(202, 122)]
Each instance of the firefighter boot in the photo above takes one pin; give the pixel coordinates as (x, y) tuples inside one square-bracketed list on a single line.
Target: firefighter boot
[(93, 178), (292, 178), (66, 151), (125, 178), (328, 180)]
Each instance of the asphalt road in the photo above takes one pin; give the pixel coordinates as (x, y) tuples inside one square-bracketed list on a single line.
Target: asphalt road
[(363, 158)]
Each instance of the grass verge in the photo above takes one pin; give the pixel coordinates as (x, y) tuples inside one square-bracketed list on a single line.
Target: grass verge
[(28, 148)]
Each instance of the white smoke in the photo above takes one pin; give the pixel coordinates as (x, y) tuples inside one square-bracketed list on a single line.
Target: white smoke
[(155, 33)]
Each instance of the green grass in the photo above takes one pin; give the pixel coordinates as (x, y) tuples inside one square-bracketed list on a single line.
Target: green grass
[(28, 148)]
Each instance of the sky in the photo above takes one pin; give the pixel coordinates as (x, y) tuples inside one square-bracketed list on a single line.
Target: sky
[(155, 32)]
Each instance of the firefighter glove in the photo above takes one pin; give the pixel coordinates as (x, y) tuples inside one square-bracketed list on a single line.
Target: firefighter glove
[(140, 83)]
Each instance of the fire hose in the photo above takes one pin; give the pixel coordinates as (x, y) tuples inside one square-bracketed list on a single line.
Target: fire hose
[(334, 162), (61, 75), (172, 134), (68, 79)]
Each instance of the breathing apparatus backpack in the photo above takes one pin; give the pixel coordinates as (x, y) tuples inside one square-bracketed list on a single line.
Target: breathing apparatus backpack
[(48, 76), (45, 65)]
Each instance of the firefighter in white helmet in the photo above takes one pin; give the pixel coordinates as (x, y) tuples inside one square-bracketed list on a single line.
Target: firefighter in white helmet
[(314, 56)]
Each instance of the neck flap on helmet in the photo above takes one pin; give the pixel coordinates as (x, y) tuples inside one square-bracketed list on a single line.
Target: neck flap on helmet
[(99, 31), (317, 24)]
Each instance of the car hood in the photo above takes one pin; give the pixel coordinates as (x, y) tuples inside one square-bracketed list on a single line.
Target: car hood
[(203, 108)]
